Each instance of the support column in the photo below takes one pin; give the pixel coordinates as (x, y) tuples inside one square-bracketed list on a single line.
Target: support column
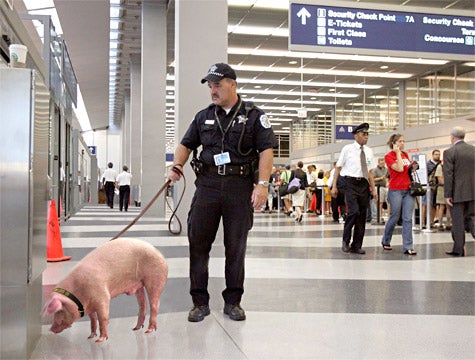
[(126, 131), (154, 80), (135, 128), (197, 47)]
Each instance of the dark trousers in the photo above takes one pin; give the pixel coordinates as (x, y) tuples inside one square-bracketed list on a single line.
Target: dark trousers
[(124, 194), (109, 188), (338, 205), (227, 198), (462, 218), (357, 197)]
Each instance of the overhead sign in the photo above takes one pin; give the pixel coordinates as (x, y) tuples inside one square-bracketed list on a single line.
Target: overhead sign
[(344, 132), (331, 26)]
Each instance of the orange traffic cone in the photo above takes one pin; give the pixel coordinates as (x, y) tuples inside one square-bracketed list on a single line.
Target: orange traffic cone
[(54, 247)]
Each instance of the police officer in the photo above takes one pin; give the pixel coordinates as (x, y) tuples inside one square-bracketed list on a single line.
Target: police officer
[(237, 140), (355, 164)]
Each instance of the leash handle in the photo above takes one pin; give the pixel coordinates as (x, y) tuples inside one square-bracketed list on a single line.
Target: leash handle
[(174, 215), (165, 186)]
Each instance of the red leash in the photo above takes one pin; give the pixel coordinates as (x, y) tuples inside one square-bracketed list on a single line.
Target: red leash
[(165, 186)]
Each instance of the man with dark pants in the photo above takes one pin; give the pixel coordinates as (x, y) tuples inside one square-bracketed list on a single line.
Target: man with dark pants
[(337, 202), (108, 183), (459, 188), (236, 139), (355, 164)]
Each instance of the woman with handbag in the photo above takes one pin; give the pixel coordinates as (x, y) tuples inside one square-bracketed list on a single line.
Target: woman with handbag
[(399, 196)]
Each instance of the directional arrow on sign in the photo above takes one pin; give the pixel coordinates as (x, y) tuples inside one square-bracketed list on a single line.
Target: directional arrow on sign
[(303, 14)]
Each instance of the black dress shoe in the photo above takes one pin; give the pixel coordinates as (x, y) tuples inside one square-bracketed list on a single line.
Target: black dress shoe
[(357, 251), (198, 313), (453, 253), (345, 247), (235, 312)]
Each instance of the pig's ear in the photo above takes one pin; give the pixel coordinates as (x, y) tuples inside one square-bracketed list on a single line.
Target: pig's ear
[(53, 306)]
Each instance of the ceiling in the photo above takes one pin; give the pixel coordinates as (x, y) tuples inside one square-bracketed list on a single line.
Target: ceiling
[(86, 30)]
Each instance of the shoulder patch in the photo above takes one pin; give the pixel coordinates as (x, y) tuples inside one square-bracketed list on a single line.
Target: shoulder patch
[(265, 122)]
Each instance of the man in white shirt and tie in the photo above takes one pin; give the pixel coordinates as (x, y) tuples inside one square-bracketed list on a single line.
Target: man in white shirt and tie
[(355, 164)]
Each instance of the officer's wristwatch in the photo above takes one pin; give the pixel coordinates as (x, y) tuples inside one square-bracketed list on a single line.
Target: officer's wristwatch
[(263, 183)]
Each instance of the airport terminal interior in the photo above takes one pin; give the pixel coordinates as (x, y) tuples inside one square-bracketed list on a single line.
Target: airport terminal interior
[(304, 298), (119, 81)]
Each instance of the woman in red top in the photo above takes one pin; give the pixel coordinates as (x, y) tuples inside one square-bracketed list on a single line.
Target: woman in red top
[(399, 197)]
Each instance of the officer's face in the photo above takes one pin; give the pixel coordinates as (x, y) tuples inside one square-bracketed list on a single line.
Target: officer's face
[(361, 137), (223, 93)]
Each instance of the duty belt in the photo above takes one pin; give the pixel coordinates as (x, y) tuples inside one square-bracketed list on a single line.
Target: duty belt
[(228, 169)]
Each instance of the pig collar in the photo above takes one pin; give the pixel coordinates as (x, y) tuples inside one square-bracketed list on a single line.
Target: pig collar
[(73, 298)]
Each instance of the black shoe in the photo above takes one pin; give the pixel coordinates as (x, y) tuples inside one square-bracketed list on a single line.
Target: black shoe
[(344, 216), (453, 253), (336, 220), (345, 247), (235, 312), (198, 313), (357, 251)]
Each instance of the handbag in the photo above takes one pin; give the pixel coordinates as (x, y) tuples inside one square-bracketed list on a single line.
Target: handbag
[(283, 189), (416, 188), (294, 186)]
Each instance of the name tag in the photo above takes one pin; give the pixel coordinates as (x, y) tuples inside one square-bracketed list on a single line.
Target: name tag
[(221, 159), (209, 122)]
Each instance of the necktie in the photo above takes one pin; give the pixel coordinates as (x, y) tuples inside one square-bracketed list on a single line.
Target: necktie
[(364, 166)]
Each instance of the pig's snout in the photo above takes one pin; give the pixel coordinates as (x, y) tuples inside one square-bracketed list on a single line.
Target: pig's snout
[(57, 328)]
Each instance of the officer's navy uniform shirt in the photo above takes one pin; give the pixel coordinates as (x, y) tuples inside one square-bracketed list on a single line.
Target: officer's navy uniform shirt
[(204, 130)]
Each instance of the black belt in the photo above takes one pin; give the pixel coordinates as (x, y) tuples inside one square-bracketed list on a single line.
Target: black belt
[(229, 169), (355, 178)]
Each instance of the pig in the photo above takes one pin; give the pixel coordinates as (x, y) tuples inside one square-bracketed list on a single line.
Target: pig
[(120, 266)]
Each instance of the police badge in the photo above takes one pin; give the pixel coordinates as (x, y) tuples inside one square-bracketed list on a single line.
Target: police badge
[(265, 122)]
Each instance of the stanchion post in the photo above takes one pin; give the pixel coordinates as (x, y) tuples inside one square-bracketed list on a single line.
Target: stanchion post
[(428, 207), (322, 214)]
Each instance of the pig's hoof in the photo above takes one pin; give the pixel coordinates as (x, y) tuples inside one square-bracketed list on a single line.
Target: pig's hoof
[(149, 330), (101, 339), (137, 327), (93, 335)]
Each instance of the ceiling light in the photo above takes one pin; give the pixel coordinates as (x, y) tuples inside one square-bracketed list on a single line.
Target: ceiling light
[(257, 30), (308, 83), (326, 56), (315, 71), (263, 4)]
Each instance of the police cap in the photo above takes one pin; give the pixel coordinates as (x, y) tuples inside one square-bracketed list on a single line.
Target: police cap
[(364, 127), (218, 72)]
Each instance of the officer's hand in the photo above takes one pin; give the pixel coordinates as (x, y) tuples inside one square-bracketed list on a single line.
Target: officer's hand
[(259, 196), (334, 191), (175, 173)]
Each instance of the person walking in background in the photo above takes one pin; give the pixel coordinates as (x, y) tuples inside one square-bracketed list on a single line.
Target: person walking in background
[(123, 181), (399, 196), (108, 183), (284, 180), (459, 188), (355, 164), (431, 167), (224, 185), (338, 203), (328, 195), (298, 198), (440, 200), (380, 174)]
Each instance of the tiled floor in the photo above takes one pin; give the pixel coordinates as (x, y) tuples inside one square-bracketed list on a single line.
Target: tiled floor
[(304, 298)]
